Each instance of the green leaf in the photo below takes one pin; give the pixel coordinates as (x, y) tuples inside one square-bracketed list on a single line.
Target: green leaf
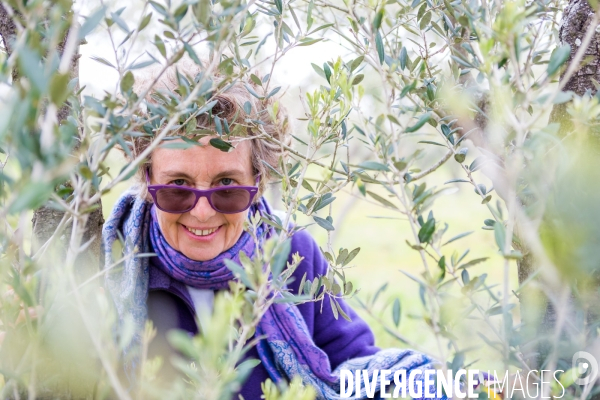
[(358, 79), (421, 11), (465, 277), (59, 88), (158, 7), (221, 144), (558, 57), (383, 201), (472, 262), (320, 28), (144, 23), (327, 72), (309, 18), (396, 312), (431, 142), (351, 256), (378, 18), (306, 185), (379, 46), (400, 165), (120, 23), (514, 255), (279, 5), (373, 165), (500, 236), (308, 41), (273, 92), (180, 12), (425, 20), (459, 236), (562, 97), (248, 107), (279, 261), (177, 146), (422, 121), (202, 11), (218, 126), (142, 64), (91, 22), (127, 82), (239, 272), (477, 163), (319, 70), (408, 88), (192, 53), (207, 107), (30, 65), (342, 312), (498, 309), (323, 201), (333, 307), (461, 155), (323, 223), (442, 266), (103, 61), (458, 361), (253, 93), (457, 181), (356, 63), (403, 57), (32, 196), (256, 80), (426, 231)]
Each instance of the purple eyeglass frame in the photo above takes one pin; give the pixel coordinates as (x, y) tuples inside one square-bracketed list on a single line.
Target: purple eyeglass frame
[(153, 190)]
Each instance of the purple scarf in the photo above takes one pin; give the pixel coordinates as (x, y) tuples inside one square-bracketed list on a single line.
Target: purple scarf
[(288, 349), (211, 274)]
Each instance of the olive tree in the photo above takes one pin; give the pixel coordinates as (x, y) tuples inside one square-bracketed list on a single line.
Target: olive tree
[(499, 94)]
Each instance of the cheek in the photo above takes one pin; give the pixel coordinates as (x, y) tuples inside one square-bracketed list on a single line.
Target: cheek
[(236, 223), (168, 223)]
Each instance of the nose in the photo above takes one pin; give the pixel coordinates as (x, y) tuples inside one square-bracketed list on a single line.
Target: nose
[(202, 211)]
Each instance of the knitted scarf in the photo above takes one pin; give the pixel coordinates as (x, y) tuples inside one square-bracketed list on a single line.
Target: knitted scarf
[(288, 349)]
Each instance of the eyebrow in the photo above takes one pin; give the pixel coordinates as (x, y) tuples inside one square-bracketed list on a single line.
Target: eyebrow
[(229, 172), (180, 174), (176, 174)]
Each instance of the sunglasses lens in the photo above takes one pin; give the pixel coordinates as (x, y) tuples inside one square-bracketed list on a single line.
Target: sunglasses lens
[(175, 200), (231, 200)]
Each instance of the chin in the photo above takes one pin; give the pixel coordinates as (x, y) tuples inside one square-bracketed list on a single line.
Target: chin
[(196, 255)]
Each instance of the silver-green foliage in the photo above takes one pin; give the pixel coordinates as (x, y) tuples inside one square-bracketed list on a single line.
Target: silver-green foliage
[(424, 84)]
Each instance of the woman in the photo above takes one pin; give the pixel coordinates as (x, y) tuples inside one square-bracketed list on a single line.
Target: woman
[(190, 210)]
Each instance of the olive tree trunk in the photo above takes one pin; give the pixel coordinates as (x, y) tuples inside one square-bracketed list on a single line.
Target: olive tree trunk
[(540, 320), (45, 219)]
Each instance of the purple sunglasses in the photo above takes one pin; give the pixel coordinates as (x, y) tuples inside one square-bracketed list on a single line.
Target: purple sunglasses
[(181, 199)]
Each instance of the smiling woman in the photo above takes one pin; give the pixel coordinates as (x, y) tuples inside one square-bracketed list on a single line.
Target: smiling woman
[(203, 232), (190, 209)]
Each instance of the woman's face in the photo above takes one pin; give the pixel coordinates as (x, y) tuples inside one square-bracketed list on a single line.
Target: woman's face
[(202, 233)]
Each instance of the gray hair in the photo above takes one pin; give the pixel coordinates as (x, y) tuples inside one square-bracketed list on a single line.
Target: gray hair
[(265, 154)]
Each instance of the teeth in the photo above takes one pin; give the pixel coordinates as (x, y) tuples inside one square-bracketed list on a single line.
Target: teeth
[(201, 232)]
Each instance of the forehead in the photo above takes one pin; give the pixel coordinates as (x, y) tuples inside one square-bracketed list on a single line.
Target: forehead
[(203, 160)]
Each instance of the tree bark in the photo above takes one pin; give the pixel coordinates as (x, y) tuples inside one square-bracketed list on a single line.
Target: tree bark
[(576, 19), (45, 219), (577, 16)]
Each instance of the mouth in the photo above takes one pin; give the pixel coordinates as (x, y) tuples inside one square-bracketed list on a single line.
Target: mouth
[(201, 232)]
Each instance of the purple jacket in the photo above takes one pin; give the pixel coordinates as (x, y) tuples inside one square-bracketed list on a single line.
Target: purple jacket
[(170, 306)]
